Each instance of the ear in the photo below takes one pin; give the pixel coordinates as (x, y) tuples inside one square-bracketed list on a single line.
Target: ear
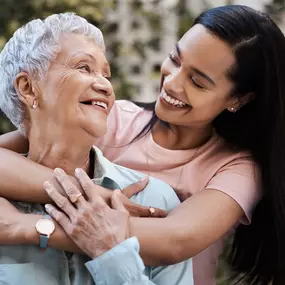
[(25, 90), (238, 103)]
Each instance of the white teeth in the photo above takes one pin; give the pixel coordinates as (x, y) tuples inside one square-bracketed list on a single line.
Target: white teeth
[(172, 101), (102, 104)]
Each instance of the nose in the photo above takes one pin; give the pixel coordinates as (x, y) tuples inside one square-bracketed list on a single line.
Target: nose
[(173, 83), (103, 86)]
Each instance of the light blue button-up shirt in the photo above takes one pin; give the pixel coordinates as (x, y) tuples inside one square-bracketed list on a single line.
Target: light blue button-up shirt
[(29, 265)]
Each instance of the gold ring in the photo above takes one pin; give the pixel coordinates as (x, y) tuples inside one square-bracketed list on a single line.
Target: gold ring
[(73, 199), (151, 211)]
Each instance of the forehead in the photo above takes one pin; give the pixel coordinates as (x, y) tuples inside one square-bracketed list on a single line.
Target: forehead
[(206, 52), (73, 44)]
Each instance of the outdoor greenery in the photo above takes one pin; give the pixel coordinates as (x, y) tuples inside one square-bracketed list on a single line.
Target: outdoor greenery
[(14, 13)]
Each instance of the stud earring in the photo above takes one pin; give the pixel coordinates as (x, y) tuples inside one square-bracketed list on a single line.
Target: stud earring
[(35, 104), (232, 109)]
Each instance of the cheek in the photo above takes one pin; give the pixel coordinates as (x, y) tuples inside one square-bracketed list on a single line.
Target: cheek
[(165, 69), (209, 107)]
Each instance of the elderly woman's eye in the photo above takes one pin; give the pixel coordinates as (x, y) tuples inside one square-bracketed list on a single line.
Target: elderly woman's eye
[(84, 67)]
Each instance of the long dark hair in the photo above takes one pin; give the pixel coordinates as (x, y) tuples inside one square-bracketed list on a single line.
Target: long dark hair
[(258, 251)]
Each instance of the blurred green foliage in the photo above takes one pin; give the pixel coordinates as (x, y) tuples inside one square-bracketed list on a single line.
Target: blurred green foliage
[(15, 13)]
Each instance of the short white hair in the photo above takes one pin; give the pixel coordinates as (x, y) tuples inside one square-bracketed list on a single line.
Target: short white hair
[(31, 49)]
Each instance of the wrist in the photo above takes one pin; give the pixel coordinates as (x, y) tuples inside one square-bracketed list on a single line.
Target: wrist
[(27, 229)]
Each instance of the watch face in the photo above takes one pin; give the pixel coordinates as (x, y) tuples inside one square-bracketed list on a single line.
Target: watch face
[(45, 226)]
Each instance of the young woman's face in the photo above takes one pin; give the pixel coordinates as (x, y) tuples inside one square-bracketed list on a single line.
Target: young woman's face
[(194, 87)]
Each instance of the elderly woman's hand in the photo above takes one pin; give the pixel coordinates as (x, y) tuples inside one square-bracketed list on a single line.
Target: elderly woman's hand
[(67, 186), (91, 223)]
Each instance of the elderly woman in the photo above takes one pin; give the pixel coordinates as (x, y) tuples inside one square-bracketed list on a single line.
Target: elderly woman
[(56, 89)]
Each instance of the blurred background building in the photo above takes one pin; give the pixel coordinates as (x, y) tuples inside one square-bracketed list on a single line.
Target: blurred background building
[(139, 34)]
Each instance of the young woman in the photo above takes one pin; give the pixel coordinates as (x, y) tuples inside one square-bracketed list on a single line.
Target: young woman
[(216, 135)]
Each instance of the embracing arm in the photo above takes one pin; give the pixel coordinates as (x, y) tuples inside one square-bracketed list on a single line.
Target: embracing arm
[(20, 178), (14, 141), (188, 229)]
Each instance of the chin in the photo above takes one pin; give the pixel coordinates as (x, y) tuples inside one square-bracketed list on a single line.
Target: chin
[(95, 130), (161, 113)]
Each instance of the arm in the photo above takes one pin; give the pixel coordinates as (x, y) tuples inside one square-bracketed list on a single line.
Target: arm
[(179, 238), (192, 226), (14, 141), (22, 179)]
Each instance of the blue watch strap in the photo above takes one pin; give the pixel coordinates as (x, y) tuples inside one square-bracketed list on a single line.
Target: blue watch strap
[(43, 241), (44, 238)]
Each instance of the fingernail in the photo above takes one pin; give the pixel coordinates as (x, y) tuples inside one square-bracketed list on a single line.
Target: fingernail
[(77, 171), (58, 171), (46, 185), (48, 207)]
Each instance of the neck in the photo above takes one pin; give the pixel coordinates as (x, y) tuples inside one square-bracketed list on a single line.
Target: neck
[(61, 151), (181, 138)]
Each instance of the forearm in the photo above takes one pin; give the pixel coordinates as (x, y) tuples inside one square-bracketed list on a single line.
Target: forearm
[(14, 141), (26, 233), (22, 179), (166, 253), (159, 240)]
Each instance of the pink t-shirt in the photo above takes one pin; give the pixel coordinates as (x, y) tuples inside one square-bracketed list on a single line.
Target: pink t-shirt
[(212, 166)]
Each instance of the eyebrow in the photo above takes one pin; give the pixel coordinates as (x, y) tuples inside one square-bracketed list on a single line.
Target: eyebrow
[(196, 70), (83, 53)]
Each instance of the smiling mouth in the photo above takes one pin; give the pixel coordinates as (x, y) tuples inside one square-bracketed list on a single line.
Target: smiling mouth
[(173, 101), (100, 104)]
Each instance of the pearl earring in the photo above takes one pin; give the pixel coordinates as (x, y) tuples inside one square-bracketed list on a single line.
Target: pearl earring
[(35, 105), (232, 109)]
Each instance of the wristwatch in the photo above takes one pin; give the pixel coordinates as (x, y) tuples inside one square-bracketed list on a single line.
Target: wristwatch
[(45, 227)]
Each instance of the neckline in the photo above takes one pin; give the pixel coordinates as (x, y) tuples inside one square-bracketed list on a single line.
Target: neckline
[(163, 154)]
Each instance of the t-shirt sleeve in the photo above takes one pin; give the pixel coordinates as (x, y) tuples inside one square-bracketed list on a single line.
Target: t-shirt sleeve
[(125, 122), (240, 179)]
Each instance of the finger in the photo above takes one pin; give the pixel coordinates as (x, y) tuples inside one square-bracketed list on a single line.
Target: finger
[(158, 213), (136, 210), (70, 189), (62, 202), (135, 188), (86, 184), (60, 217), (116, 202)]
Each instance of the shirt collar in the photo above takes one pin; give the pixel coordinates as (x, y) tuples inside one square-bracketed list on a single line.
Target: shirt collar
[(104, 171)]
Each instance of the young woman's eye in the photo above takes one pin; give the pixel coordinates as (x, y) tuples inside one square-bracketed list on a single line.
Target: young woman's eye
[(196, 84), (174, 61), (84, 67)]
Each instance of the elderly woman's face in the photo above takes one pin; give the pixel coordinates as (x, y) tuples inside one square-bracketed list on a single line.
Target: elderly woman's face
[(76, 94)]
